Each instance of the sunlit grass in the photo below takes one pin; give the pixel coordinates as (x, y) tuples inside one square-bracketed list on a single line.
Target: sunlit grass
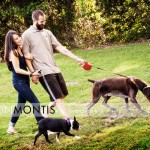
[(130, 132)]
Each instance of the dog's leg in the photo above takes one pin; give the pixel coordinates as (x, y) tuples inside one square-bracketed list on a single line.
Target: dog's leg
[(92, 103), (105, 103), (69, 134), (88, 107), (127, 104), (134, 101), (46, 136), (132, 93), (39, 134), (77, 137), (96, 94), (57, 137)]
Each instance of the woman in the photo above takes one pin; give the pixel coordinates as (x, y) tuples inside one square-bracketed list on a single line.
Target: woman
[(20, 77)]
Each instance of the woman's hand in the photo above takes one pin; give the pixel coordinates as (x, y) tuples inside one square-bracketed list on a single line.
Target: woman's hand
[(35, 77)]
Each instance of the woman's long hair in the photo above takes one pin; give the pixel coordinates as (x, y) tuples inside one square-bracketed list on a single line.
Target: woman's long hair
[(9, 46)]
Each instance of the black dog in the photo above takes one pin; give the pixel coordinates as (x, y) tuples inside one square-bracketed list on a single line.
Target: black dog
[(56, 125), (124, 87)]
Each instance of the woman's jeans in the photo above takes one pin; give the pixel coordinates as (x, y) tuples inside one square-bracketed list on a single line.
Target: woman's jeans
[(25, 94)]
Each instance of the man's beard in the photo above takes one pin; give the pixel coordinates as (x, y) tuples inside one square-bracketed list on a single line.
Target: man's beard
[(40, 27)]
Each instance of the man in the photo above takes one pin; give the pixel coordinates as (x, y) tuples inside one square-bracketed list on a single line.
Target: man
[(38, 44)]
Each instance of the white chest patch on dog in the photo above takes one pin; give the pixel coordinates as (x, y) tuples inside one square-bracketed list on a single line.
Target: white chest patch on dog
[(71, 121)]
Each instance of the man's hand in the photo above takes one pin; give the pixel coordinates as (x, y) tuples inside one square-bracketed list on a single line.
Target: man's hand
[(80, 61), (86, 65), (35, 79)]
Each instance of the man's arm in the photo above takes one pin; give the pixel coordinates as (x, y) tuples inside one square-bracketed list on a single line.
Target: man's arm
[(29, 58), (63, 50), (66, 52)]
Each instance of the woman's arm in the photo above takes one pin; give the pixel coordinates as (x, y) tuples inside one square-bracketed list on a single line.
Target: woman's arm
[(29, 58), (15, 62)]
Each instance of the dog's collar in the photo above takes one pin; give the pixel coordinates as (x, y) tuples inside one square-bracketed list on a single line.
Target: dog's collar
[(68, 120), (70, 123)]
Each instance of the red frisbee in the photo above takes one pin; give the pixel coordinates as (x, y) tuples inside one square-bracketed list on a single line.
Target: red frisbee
[(87, 66)]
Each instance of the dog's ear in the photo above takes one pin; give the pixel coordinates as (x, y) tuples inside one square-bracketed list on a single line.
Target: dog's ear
[(74, 118), (96, 91), (146, 92)]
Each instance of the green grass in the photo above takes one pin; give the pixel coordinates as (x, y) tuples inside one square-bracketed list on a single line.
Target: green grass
[(130, 132)]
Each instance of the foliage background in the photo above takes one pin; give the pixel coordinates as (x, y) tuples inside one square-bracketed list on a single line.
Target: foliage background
[(81, 23)]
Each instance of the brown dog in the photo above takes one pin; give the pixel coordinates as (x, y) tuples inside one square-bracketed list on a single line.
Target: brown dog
[(124, 87)]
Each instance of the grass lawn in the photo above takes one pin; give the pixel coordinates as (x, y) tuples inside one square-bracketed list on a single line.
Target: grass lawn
[(129, 132)]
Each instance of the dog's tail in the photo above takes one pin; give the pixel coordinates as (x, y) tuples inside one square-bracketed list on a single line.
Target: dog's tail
[(91, 80)]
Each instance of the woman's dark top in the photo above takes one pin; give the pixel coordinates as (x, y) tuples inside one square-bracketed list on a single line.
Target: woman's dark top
[(17, 76)]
